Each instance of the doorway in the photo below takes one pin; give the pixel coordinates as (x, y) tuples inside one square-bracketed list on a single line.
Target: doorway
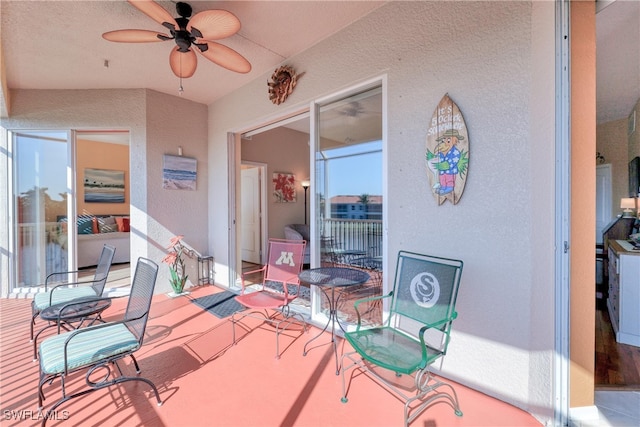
[(617, 32), (281, 147), (43, 195), (348, 134), (253, 212), (48, 199)]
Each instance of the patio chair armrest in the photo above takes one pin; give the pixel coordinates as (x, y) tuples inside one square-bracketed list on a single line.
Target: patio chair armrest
[(66, 285), (357, 302), (444, 321), (248, 273), (57, 273), (293, 281), (77, 332), (436, 325)]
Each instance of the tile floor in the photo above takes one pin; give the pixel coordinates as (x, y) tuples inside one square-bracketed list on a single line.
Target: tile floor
[(205, 380), (618, 408)]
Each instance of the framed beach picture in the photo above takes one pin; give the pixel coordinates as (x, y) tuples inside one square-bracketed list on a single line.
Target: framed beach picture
[(103, 186), (179, 173)]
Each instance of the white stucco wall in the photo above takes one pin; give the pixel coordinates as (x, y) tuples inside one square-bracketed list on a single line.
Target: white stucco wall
[(172, 122), (158, 124), (496, 61)]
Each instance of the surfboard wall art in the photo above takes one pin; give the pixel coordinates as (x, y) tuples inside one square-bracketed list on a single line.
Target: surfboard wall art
[(447, 153)]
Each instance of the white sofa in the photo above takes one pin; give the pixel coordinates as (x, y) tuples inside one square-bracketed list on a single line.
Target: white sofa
[(94, 231), (299, 232), (90, 247)]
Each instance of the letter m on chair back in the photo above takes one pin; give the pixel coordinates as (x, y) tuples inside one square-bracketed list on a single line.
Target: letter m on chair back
[(413, 335)]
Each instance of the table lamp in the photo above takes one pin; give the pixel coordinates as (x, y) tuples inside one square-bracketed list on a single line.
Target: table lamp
[(627, 205)]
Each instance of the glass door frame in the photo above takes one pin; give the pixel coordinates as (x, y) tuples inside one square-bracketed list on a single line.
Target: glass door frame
[(12, 175), (314, 136)]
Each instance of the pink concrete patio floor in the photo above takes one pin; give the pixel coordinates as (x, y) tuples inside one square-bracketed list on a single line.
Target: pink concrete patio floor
[(204, 380)]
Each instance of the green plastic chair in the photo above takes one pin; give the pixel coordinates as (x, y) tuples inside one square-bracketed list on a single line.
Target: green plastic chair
[(98, 348), (414, 334)]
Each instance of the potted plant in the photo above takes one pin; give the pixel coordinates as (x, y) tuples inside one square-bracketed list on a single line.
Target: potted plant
[(176, 265)]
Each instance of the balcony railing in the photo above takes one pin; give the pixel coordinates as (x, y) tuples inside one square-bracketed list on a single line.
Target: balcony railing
[(355, 235), (40, 252)]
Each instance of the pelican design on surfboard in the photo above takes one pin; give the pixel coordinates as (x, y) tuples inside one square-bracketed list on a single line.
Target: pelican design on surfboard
[(447, 154)]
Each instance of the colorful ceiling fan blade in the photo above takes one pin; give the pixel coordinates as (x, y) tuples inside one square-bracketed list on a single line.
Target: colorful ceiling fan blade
[(154, 11), (183, 64), (226, 57), (214, 24), (134, 36)]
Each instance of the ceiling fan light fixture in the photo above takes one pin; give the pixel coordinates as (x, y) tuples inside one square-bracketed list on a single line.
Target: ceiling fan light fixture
[(187, 32), (183, 64)]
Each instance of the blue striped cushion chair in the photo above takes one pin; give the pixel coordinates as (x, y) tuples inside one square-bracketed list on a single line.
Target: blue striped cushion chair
[(94, 344), (43, 300), (101, 346)]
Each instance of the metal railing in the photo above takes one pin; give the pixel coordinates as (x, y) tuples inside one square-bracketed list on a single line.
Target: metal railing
[(355, 234), (41, 251)]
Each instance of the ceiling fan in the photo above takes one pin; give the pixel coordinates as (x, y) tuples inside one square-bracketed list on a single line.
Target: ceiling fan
[(187, 31)]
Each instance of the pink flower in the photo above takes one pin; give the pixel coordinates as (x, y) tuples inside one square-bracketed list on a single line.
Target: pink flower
[(170, 258), (283, 185), (175, 241)]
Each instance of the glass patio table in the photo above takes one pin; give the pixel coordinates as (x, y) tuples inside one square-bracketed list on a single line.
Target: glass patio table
[(331, 278)]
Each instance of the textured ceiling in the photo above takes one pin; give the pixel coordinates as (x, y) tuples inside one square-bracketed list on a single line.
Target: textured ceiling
[(617, 59), (58, 45)]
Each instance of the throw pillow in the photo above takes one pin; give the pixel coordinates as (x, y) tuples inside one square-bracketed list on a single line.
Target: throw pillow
[(108, 228), (123, 223), (85, 225)]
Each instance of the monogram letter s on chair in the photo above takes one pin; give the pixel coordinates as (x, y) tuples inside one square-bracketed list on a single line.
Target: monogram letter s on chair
[(413, 336)]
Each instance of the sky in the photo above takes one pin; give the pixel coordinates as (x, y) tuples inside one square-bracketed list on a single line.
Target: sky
[(43, 163), (355, 175)]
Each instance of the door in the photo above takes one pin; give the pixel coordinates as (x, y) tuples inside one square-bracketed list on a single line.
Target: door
[(43, 192), (348, 195), (251, 214), (603, 199)]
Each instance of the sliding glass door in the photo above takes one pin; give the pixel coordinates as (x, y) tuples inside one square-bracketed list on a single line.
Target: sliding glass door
[(42, 192), (348, 190)]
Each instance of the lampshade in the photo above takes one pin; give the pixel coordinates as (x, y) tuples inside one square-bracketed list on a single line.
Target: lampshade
[(305, 184), (628, 203)]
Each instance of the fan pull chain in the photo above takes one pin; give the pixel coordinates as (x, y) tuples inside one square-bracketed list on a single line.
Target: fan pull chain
[(180, 89)]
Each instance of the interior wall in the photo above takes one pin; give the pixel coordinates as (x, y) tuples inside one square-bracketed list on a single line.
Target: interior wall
[(174, 122), (283, 150), (634, 137), (102, 155), (611, 142), (501, 79), (583, 201), (157, 123)]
